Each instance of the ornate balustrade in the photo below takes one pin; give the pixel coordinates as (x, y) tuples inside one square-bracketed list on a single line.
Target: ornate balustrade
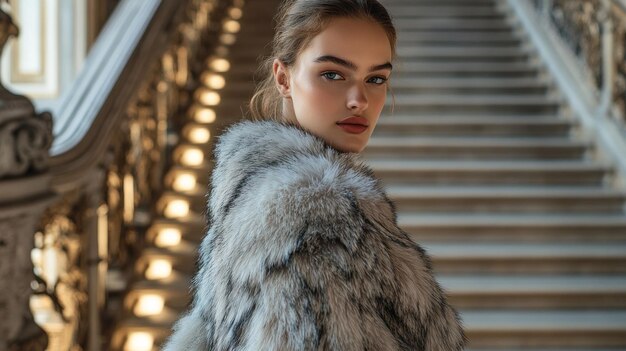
[(75, 209), (595, 32)]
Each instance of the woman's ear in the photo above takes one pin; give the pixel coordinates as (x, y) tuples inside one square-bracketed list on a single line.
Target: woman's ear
[(281, 77)]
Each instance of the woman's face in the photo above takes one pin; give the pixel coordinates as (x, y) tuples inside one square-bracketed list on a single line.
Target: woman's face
[(342, 73)]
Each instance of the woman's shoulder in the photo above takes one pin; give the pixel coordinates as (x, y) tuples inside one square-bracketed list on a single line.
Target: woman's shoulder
[(275, 159)]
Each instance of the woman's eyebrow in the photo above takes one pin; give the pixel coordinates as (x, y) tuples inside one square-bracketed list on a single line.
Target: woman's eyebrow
[(351, 65)]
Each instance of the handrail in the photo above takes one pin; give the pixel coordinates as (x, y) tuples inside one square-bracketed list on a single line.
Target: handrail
[(98, 100), (588, 101), (79, 105)]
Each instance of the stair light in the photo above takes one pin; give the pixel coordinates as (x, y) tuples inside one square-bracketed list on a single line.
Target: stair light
[(231, 26), (209, 97), (213, 80), (199, 135), (184, 182), (235, 13), (168, 237), (204, 115), (176, 209), (220, 65), (139, 341), (228, 39), (192, 157), (149, 305), (158, 269)]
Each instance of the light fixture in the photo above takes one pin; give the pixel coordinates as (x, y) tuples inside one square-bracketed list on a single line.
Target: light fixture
[(184, 182), (158, 269), (204, 115), (139, 341), (192, 157), (149, 305), (208, 97), (213, 80), (176, 208), (228, 39), (168, 237), (235, 13), (231, 26), (198, 135), (220, 65)]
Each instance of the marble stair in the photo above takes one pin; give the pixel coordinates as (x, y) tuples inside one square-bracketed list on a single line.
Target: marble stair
[(490, 171)]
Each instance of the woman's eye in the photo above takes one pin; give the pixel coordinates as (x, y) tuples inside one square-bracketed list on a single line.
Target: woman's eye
[(331, 75), (379, 80)]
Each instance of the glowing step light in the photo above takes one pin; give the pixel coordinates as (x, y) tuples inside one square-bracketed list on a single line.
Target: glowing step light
[(213, 80), (139, 341), (149, 305), (184, 182), (203, 115), (192, 157), (235, 13), (219, 65), (231, 26), (159, 269), (176, 208), (168, 237), (198, 135), (208, 97)]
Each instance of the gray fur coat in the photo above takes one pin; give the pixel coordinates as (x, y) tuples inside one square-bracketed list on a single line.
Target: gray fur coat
[(304, 253)]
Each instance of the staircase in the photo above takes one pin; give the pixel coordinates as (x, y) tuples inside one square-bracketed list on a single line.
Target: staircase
[(490, 173), (499, 183)]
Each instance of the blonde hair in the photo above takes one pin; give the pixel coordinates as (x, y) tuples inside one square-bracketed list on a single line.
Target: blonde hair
[(298, 22)]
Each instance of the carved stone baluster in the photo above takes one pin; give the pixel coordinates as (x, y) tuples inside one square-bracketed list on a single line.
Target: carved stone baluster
[(25, 138)]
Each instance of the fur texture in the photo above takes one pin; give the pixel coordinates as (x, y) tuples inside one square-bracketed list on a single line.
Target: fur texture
[(304, 253)]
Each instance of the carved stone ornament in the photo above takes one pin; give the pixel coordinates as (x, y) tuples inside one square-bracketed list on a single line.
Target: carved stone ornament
[(24, 193), (25, 137)]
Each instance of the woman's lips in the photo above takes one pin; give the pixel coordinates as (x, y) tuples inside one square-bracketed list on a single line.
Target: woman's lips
[(352, 128)]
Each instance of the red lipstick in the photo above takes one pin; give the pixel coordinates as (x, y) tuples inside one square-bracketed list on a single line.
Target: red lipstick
[(354, 125)]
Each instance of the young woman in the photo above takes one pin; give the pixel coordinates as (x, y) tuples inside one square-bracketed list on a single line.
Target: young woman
[(304, 251)]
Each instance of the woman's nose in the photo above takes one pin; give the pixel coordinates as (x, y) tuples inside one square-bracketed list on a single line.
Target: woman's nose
[(357, 98)]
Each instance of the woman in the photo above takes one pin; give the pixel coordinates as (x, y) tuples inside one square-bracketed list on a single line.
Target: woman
[(304, 251)]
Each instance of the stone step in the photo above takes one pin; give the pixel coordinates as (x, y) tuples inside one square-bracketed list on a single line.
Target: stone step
[(476, 127), (484, 228), (445, 25), (391, 3), (532, 292), (544, 349), (541, 328), (468, 85), (405, 172), (434, 11), (433, 103), (519, 257), (407, 52), (192, 227), (491, 199), (483, 69), (183, 256), (422, 148), (462, 36)]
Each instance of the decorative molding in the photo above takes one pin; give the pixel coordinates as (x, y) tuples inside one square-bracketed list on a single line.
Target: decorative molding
[(24, 140), (43, 84), (25, 137), (30, 17)]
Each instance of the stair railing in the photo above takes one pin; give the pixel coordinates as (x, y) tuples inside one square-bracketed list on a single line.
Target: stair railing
[(583, 44), (77, 189)]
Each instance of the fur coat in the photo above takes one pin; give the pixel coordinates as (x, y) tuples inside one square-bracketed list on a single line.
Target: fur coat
[(303, 252)]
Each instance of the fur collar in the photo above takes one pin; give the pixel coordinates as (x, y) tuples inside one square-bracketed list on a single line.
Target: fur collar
[(304, 253)]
